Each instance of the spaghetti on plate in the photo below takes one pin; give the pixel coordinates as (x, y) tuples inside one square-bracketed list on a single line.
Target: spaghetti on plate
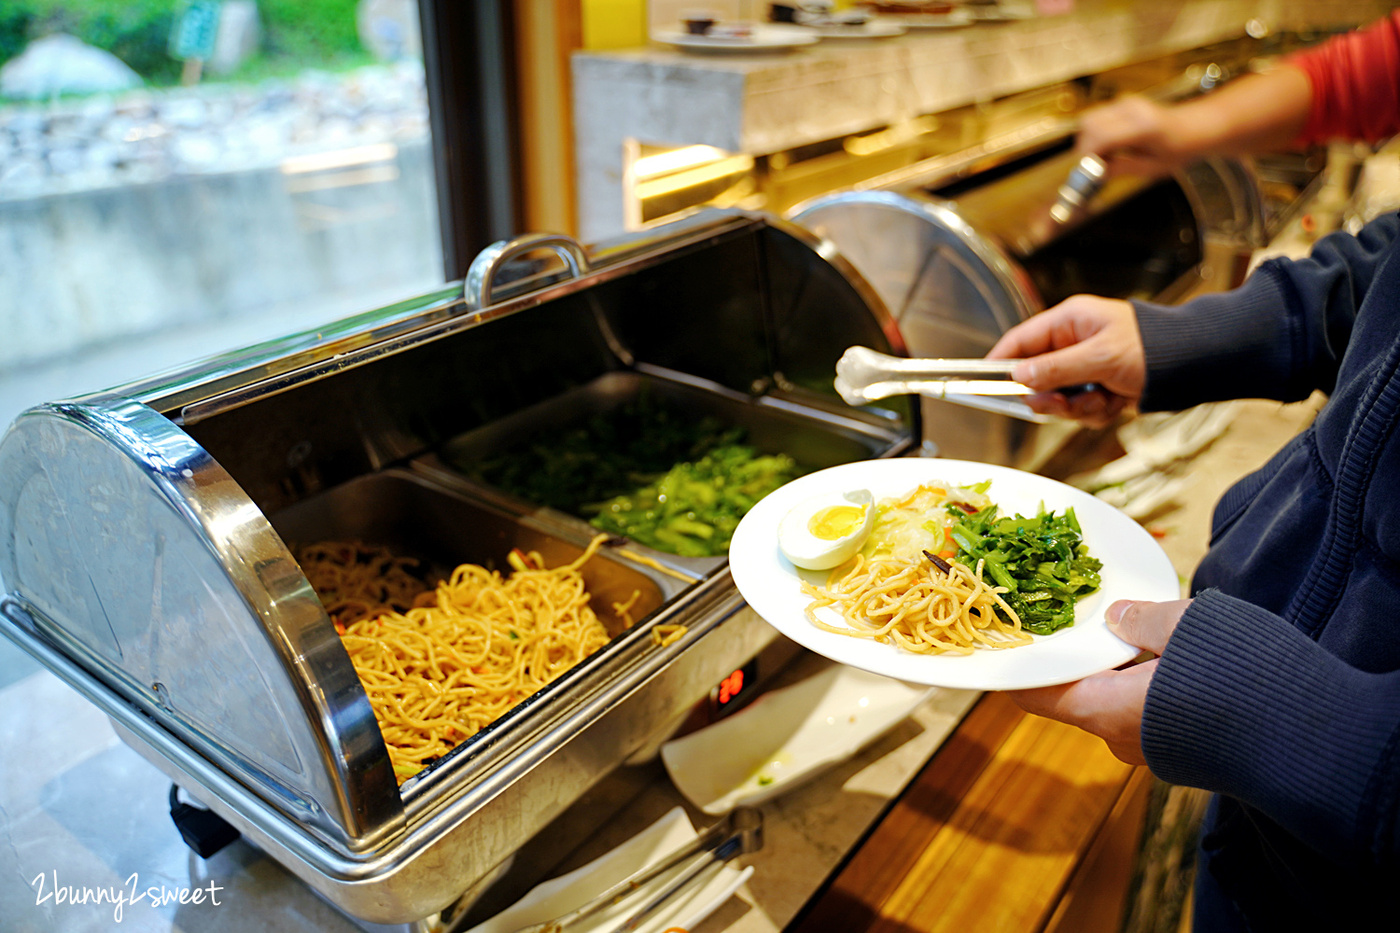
[(916, 606), (942, 572)]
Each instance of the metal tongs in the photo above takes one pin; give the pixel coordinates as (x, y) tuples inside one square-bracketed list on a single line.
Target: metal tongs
[(1084, 183), (739, 833), (1071, 205), (864, 376)]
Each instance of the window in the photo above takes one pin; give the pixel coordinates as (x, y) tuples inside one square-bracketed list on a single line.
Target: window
[(178, 179)]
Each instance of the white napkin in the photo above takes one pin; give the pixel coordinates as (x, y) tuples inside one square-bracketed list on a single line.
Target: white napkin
[(558, 896)]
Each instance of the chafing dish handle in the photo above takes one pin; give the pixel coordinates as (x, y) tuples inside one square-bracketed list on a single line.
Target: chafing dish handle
[(481, 276)]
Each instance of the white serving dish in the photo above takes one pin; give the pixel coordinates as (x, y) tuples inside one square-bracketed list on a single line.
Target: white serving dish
[(763, 37), (787, 736), (558, 896)]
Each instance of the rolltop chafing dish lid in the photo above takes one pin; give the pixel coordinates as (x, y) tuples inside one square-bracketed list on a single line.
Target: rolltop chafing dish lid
[(144, 530), (963, 247)]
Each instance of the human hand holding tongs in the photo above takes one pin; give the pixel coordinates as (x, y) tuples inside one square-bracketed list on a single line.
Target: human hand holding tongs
[(864, 375)]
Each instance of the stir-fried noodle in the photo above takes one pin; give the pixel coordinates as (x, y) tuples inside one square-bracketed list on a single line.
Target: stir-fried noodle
[(452, 659)]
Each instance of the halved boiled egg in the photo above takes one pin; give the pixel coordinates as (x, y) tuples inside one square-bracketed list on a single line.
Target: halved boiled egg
[(825, 531)]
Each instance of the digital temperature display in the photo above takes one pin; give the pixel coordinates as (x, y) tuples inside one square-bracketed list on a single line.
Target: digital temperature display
[(724, 696), (730, 687)]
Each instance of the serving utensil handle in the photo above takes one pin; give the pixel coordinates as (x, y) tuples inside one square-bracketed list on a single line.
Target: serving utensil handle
[(1085, 181), (742, 832), (739, 832)]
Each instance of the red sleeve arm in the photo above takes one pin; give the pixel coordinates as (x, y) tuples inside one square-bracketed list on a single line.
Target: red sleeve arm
[(1355, 83)]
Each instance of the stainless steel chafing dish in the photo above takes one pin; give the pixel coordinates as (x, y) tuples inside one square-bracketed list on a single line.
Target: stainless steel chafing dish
[(963, 247), (144, 535)]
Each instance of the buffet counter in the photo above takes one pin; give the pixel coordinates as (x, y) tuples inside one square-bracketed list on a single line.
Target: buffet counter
[(65, 765), (922, 828), (918, 831)]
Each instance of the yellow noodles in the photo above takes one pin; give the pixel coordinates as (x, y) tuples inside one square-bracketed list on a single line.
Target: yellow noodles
[(463, 654), (663, 636), (916, 606), (655, 564), (355, 580)]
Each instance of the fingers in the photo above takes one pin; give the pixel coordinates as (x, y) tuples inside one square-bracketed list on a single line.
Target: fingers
[(1071, 321), (1108, 127), (1133, 135), (1085, 700), (1096, 408), (1084, 339), (1146, 624), (1029, 338), (1108, 705), (1074, 365)]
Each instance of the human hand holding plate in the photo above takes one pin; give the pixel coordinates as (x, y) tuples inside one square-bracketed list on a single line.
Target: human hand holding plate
[(1110, 704)]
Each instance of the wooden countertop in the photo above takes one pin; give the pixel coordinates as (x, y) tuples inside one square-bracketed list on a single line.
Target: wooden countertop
[(989, 836)]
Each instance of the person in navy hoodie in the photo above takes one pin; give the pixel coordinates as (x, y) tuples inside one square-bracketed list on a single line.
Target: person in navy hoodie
[(1277, 685)]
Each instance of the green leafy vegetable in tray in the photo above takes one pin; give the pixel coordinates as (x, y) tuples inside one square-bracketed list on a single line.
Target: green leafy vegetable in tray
[(608, 454), (649, 470), (693, 508), (1042, 562)]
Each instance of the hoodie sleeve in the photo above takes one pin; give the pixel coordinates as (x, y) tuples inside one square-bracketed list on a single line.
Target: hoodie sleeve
[(1280, 335), (1245, 705)]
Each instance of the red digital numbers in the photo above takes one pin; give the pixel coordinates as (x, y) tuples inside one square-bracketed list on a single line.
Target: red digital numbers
[(729, 687)]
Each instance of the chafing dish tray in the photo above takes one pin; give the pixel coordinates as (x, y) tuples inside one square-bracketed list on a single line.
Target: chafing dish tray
[(609, 401), (145, 533)]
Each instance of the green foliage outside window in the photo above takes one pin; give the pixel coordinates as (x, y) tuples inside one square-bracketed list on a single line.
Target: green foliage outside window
[(309, 31), (295, 33)]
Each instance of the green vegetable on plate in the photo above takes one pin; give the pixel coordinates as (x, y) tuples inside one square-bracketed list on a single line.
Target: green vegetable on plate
[(1042, 561)]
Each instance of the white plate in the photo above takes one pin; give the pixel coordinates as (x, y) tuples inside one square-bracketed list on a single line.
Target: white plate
[(560, 895), (1134, 567), (763, 38), (870, 29), (786, 737)]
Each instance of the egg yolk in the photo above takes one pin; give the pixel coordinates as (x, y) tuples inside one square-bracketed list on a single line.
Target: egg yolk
[(835, 521)]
